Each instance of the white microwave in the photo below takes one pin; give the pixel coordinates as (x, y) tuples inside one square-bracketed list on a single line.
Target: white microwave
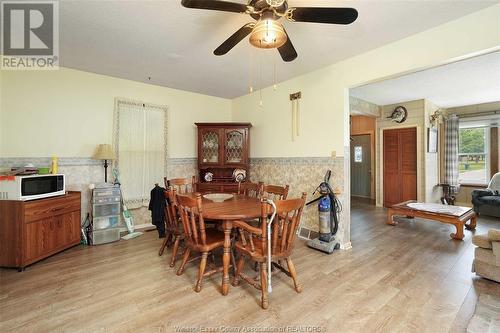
[(32, 187)]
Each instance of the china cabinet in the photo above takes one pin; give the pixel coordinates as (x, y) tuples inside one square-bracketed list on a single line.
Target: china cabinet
[(223, 156)]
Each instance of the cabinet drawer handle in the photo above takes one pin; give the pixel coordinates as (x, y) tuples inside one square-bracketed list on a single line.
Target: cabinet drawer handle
[(56, 209)]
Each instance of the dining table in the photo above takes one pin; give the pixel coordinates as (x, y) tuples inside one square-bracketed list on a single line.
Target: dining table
[(239, 207)]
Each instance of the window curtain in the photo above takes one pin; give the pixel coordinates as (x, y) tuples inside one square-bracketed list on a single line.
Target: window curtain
[(451, 153), (140, 146)]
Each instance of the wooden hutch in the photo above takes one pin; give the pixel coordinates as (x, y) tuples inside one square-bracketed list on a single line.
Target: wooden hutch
[(222, 149)]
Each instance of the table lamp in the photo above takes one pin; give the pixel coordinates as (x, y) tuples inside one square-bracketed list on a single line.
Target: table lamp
[(104, 152)]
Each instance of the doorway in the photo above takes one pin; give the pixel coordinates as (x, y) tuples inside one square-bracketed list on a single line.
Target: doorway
[(399, 165), (361, 173)]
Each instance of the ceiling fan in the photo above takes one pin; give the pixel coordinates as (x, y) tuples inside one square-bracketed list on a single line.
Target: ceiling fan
[(267, 32)]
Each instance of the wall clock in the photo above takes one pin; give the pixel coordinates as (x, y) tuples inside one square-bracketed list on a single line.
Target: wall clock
[(399, 114)]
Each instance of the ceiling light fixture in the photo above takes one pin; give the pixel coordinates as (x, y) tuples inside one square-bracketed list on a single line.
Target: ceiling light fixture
[(275, 3), (267, 33)]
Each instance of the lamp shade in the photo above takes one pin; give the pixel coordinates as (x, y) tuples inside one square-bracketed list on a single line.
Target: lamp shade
[(268, 34), (104, 152)]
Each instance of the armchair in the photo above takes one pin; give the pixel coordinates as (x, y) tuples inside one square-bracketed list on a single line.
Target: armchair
[(487, 201), (487, 255)]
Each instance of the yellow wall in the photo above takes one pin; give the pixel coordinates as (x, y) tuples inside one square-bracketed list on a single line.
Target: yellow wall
[(433, 193), (68, 112), (324, 104)]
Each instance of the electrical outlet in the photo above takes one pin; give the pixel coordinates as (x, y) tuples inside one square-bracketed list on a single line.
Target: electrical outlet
[(334, 154)]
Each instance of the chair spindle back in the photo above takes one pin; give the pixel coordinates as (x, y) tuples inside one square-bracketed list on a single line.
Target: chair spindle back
[(275, 192), (171, 209), (285, 225), (191, 212), (181, 185), (253, 190)]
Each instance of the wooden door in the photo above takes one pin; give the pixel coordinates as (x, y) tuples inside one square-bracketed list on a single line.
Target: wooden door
[(361, 166), (400, 165)]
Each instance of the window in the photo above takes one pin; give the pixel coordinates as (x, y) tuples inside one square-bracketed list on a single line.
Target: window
[(140, 145), (473, 155), (358, 154)]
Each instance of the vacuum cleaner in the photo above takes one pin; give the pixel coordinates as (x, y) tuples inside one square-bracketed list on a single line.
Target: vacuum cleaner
[(328, 207)]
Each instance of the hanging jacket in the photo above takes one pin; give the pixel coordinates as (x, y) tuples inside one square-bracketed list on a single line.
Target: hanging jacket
[(157, 206)]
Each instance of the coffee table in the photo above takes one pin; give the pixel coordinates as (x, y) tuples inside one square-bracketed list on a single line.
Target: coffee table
[(456, 215)]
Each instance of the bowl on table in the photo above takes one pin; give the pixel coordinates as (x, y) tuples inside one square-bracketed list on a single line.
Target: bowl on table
[(218, 197)]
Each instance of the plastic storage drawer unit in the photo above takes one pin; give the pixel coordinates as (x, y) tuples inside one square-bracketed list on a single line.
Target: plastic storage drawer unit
[(105, 200), (100, 210), (111, 191), (106, 222), (105, 236)]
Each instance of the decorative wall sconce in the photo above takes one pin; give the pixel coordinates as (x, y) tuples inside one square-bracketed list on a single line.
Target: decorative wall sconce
[(295, 98), (436, 118)]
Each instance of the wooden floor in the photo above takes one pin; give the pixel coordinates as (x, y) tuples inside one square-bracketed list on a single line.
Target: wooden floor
[(408, 278)]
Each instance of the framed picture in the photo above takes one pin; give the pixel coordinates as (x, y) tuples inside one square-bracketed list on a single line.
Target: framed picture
[(432, 140)]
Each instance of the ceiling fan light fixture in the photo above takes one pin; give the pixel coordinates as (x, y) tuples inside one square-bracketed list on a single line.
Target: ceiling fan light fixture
[(275, 3), (268, 34)]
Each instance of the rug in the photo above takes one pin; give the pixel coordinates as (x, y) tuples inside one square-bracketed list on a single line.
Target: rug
[(486, 318)]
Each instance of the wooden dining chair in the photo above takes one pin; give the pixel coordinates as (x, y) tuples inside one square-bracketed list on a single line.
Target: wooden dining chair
[(181, 185), (253, 243), (198, 238), (174, 228), (253, 190), (275, 192)]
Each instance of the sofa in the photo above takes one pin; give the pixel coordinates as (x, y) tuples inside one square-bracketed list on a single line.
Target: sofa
[(487, 201), (487, 255)]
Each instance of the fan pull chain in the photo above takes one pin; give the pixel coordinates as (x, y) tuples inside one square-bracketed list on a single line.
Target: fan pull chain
[(260, 81), (250, 73), (275, 78)]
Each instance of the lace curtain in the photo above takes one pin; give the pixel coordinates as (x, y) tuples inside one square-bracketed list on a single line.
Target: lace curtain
[(140, 146)]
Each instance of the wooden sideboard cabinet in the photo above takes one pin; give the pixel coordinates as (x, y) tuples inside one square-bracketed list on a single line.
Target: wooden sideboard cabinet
[(33, 230), (222, 148)]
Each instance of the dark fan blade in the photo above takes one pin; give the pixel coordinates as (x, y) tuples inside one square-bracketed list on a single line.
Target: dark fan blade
[(287, 51), (234, 39), (224, 6), (323, 15)]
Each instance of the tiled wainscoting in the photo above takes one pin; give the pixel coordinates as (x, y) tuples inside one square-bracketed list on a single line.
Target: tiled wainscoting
[(80, 172), (303, 174)]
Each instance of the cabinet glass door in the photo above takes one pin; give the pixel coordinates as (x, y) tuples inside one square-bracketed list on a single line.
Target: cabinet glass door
[(234, 140), (210, 146)]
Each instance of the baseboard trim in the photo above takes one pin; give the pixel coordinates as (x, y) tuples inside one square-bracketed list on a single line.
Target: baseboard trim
[(346, 246), (145, 226), (307, 234)]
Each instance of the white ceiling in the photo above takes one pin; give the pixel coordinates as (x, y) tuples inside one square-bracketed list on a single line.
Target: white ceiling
[(173, 45), (467, 82)]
